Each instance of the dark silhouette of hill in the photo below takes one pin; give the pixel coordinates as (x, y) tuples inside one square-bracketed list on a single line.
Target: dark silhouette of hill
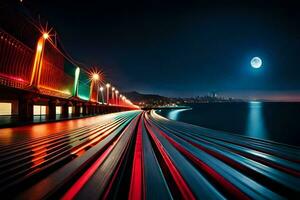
[(139, 97)]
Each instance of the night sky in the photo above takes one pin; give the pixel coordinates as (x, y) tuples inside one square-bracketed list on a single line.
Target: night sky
[(185, 48)]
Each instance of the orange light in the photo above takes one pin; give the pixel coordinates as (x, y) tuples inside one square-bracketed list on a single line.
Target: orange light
[(45, 36), (96, 77), (58, 91), (37, 60), (39, 47)]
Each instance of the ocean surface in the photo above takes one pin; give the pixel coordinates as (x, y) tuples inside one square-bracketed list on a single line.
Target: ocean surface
[(279, 122)]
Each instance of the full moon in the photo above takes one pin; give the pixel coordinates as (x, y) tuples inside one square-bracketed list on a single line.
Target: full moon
[(256, 62)]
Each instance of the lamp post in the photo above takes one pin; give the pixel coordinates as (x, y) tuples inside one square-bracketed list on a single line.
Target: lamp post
[(113, 95), (117, 97), (38, 61), (107, 93), (102, 98), (123, 100), (120, 99), (95, 78)]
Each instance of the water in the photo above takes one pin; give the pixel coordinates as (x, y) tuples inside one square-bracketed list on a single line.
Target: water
[(272, 121)]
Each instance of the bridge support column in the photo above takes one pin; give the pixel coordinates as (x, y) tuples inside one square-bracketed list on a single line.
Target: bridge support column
[(102, 109), (88, 109), (77, 110), (105, 109), (84, 109), (91, 109), (116, 109), (98, 109), (52, 109), (113, 109), (26, 109), (65, 110)]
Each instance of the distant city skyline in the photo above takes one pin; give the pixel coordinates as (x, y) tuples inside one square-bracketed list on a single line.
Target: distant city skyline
[(286, 96)]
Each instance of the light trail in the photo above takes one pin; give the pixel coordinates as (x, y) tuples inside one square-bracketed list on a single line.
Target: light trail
[(144, 155)]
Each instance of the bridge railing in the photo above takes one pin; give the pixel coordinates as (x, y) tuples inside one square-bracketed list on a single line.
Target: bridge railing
[(15, 61), (53, 74)]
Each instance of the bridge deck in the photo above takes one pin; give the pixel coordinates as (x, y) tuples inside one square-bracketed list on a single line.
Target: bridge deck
[(139, 155)]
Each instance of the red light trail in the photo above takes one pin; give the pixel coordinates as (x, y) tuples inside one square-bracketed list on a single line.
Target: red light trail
[(110, 156)]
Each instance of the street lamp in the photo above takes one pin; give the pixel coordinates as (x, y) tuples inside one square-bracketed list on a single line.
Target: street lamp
[(38, 60), (113, 95), (45, 36), (117, 96), (95, 77), (102, 98), (120, 99), (123, 99), (107, 93)]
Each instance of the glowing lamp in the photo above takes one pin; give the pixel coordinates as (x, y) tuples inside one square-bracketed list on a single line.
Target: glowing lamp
[(101, 89), (107, 85), (95, 77), (45, 36)]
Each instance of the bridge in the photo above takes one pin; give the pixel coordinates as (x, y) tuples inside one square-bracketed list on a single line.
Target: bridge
[(124, 153), (37, 77)]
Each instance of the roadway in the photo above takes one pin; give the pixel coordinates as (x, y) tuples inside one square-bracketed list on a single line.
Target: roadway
[(138, 155)]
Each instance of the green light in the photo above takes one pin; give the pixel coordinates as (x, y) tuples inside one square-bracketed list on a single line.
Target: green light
[(77, 73), (83, 97)]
